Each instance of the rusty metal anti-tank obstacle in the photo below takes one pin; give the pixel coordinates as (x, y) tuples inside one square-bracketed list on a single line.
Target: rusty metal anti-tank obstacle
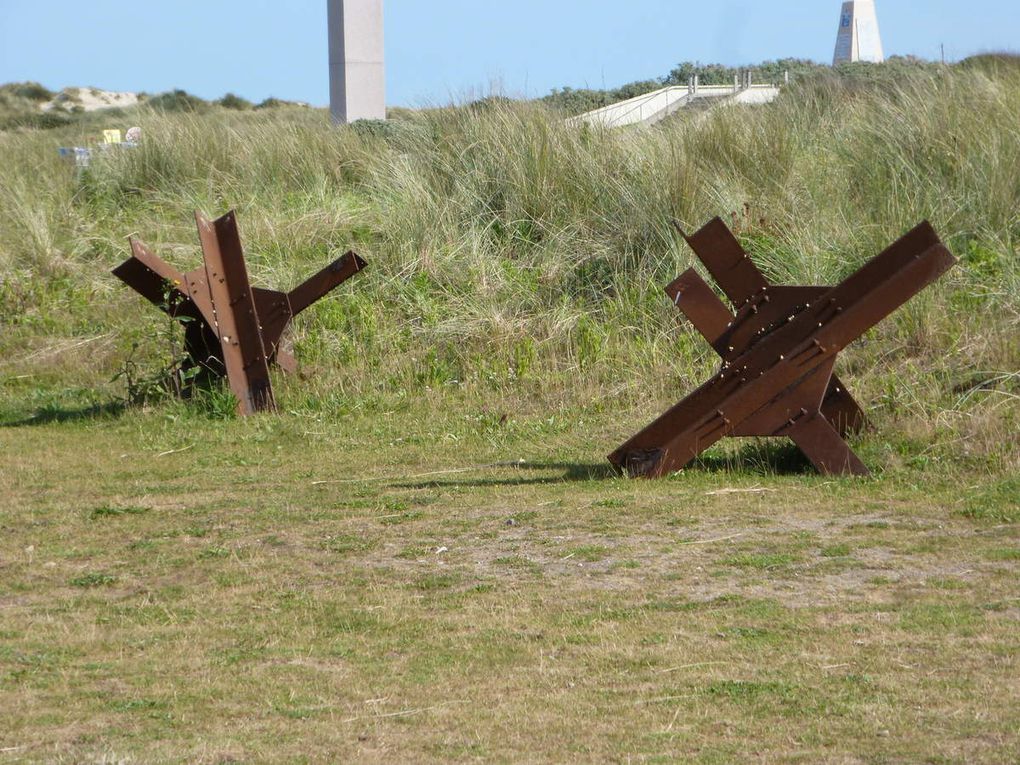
[(778, 352), (230, 328)]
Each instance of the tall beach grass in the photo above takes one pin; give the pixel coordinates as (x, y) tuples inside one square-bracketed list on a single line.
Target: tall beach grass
[(514, 256)]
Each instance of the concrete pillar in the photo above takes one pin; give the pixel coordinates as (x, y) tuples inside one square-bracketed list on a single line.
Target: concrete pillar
[(858, 38), (357, 70)]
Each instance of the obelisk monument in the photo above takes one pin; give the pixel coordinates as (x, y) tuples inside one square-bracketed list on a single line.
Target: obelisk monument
[(858, 38), (357, 70)]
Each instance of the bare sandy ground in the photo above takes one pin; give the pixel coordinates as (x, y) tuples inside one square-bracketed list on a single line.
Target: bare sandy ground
[(90, 99)]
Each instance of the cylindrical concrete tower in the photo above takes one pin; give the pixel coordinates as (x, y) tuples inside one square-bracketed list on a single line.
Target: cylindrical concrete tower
[(858, 38), (357, 70)]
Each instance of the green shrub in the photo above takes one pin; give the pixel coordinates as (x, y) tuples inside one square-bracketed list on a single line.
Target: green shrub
[(273, 103), (36, 120), (177, 101), (231, 101), (31, 91)]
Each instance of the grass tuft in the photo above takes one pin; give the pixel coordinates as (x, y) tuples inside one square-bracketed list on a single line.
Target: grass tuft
[(92, 580)]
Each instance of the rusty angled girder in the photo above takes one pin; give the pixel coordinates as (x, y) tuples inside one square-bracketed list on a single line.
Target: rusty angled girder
[(778, 351), (231, 328)]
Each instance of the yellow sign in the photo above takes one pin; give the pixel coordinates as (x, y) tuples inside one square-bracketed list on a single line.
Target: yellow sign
[(111, 136)]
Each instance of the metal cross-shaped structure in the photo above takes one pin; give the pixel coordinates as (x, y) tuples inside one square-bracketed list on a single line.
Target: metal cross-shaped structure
[(231, 328), (778, 353)]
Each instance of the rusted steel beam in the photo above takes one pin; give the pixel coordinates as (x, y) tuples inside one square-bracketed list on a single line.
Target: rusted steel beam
[(156, 281), (709, 315), (277, 309), (328, 279), (727, 261), (231, 328), (236, 323), (692, 295), (778, 353), (762, 307)]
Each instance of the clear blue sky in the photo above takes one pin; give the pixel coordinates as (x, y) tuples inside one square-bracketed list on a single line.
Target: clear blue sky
[(439, 50)]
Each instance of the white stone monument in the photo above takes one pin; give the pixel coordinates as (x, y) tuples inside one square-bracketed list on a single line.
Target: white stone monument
[(858, 38), (357, 70)]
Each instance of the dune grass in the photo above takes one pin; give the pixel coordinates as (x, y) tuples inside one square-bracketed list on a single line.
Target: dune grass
[(510, 252)]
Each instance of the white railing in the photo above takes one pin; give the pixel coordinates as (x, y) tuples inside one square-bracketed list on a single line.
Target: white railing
[(635, 110), (649, 108)]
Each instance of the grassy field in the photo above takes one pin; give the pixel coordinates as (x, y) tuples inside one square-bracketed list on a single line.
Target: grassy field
[(424, 557), (312, 589)]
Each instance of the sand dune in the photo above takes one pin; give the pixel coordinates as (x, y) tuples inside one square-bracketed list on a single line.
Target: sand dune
[(90, 99)]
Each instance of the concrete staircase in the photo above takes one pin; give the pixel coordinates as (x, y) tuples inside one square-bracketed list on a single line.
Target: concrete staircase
[(649, 108)]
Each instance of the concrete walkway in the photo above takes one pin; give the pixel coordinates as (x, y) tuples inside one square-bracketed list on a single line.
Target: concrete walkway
[(650, 108)]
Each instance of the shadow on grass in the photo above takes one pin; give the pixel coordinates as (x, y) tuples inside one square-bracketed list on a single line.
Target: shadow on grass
[(49, 415), (572, 472), (764, 458)]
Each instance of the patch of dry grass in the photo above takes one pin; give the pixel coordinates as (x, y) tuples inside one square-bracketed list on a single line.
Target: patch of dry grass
[(220, 603)]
